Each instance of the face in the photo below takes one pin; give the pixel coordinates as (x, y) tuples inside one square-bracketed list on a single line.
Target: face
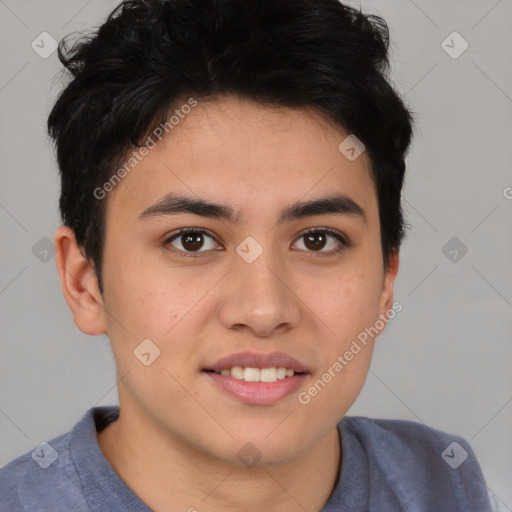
[(261, 281)]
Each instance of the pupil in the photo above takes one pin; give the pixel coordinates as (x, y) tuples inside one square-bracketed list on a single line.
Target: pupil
[(315, 241)]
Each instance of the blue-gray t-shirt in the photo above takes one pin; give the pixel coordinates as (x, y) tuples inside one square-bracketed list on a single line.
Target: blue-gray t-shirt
[(387, 466)]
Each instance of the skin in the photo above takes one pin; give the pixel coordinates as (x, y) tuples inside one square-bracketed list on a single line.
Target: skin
[(176, 441)]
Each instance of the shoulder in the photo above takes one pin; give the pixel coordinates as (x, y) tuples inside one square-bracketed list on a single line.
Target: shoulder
[(421, 464), (39, 479), (411, 437)]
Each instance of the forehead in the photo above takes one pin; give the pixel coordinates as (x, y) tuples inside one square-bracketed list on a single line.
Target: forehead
[(248, 155)]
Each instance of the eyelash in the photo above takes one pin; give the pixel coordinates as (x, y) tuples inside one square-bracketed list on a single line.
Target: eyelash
[(344, 243)]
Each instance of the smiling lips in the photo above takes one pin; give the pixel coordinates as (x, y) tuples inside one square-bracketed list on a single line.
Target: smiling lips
[(258, 379)]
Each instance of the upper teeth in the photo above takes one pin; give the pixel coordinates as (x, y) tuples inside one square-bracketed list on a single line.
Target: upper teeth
[(258, 375)]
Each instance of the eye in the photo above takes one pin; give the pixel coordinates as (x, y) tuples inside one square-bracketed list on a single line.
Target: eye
[(315, 240), (190, 241)]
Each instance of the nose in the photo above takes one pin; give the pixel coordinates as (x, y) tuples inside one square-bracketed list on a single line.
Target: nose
[(260, 298)]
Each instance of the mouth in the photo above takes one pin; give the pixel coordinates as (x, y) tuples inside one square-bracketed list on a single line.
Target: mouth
[(257, 379)]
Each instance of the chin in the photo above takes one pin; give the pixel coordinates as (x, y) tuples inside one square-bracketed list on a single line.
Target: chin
[(253, 452)]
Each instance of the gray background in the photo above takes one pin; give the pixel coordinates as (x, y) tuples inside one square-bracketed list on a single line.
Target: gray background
[(445, 360)]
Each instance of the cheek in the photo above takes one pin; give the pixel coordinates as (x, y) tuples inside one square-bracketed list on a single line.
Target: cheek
[(348, 311), (134, 301), (166, 305), (347, 304), (150, 307)]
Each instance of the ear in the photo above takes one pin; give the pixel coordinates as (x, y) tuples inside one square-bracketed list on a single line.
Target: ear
[(79, 284), (386, 298)]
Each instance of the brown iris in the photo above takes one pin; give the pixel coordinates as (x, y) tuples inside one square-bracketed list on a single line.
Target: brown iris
[(315, 241), (192, 241)]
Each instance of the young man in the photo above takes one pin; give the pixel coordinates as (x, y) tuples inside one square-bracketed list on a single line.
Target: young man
[(231, 179)]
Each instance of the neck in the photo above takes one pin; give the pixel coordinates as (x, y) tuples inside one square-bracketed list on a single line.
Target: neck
[(165, 472)]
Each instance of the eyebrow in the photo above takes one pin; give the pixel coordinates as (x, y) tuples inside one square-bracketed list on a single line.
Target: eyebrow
[(173, 204)]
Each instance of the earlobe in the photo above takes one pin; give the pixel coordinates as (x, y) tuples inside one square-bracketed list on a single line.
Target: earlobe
[(386, 302), (79, 283)]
